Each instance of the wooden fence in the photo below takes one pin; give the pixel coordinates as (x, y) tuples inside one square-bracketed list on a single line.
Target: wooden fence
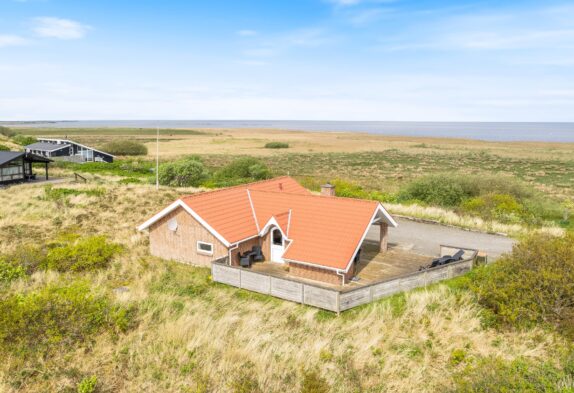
[(333, 299)]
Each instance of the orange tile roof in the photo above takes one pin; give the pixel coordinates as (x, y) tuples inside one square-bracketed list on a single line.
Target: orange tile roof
[(324, 230), (229, 211)]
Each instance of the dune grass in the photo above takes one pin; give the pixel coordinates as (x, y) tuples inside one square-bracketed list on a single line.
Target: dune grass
[(191, 334)]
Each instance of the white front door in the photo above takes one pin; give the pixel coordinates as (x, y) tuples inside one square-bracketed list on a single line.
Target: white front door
[(277, 243)]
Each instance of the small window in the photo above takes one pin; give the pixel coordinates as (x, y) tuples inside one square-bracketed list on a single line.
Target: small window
[(205, 248), (277, 237)]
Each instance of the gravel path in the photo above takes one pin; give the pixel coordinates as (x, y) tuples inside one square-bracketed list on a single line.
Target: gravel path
[(426, 238)]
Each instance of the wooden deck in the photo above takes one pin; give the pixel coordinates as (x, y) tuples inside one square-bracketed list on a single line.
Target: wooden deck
[(373, 267)]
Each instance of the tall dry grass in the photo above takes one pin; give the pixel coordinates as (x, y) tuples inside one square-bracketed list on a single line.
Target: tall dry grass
[(195, 335)]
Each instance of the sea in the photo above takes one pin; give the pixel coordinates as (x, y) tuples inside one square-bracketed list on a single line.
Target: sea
[(488, 131)]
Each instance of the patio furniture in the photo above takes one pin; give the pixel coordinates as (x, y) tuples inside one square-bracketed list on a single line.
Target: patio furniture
[(244, 260), (444, 260), (256, 254)]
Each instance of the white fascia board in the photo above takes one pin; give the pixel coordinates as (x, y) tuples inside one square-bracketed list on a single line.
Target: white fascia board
[(175, 205), (390, 220), (76, 143), (272, 221), (365, 235)]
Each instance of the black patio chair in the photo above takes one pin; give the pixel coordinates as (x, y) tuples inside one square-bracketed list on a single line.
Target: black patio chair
[(256, 254), (244, 260)]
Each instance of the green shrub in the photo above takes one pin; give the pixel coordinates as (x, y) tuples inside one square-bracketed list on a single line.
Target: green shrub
[(4, 147), (497, 375), (10, 271), (61, 193), (242, 170), (29, 257), (7, 132), (184, 173), (438, 190), (85, 254), (124, 147), (24, 140), (52, 317), (313, 382), (277, 145), (532, 285), (88, 384), (500, 207), (130, 180)]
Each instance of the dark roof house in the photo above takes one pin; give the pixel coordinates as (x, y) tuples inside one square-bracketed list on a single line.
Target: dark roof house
[(68, 150), (16, 166)]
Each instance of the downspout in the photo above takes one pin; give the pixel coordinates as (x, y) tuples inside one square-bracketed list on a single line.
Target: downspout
[(342, 275), (231, 249)]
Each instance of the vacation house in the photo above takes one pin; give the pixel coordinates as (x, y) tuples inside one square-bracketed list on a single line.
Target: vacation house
[(317, 237), (16, 166), (68, 150)]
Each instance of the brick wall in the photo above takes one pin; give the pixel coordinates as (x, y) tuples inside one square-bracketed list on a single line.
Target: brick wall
[(314, 273), (243, 247)]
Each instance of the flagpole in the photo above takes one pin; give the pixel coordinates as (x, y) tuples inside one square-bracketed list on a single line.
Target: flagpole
[(157, 161)]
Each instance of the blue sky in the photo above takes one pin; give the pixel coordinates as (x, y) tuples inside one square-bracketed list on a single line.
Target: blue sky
[(296, 59)]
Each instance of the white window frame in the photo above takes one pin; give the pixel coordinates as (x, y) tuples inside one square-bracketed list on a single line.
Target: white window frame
[(204, 252)]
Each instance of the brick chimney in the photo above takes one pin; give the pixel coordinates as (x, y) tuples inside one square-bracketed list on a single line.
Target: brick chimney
[(328, 189)]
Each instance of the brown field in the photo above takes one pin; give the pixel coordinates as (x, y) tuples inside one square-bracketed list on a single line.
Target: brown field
[(251, 141)]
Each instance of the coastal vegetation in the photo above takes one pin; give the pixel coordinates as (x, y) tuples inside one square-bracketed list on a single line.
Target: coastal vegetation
[(276, 145), (124, 147), (156, 322)]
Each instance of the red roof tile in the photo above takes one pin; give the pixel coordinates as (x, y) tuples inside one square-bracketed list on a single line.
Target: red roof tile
[(324, 231)]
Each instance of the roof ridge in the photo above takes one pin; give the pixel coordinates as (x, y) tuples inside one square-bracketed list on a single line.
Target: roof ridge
[(238, 186), (369, 201)]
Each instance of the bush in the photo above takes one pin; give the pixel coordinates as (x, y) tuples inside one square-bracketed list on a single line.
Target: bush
[(314, 383), (532, 285), (4, 147), (10, 271), (24, 140), (439, 190), (85, 254), (184, 173), (124, 147), (277, 145), (497, 375), (55, 316), (88, 384), (7, 132), (500, 207), (242, 170)]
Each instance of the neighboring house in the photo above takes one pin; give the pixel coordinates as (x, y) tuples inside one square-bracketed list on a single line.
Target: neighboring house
[(16, 166), (315, 236), (68, 150)]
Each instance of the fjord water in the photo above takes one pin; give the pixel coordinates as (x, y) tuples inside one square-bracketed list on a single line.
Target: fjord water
[(490, 131)]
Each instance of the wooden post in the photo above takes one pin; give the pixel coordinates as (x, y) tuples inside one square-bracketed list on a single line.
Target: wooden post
[(384, 234), (46, 171)]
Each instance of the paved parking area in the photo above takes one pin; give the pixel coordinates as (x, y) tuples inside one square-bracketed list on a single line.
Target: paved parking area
[(426, 238)]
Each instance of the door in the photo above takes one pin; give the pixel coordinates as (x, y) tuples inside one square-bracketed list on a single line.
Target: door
[(277, 243)]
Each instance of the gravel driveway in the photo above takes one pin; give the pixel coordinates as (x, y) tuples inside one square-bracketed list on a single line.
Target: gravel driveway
[(426, 238)]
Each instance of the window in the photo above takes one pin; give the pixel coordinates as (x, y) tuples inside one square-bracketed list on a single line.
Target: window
[(205, 248), (277, 237)]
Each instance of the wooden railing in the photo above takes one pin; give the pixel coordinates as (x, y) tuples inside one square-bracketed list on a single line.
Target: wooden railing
[(333, 299), (78, 176)]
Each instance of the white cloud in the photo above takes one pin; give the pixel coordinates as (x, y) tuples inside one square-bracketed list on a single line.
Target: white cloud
[(64, 29), (12, 40), (247, 33)]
